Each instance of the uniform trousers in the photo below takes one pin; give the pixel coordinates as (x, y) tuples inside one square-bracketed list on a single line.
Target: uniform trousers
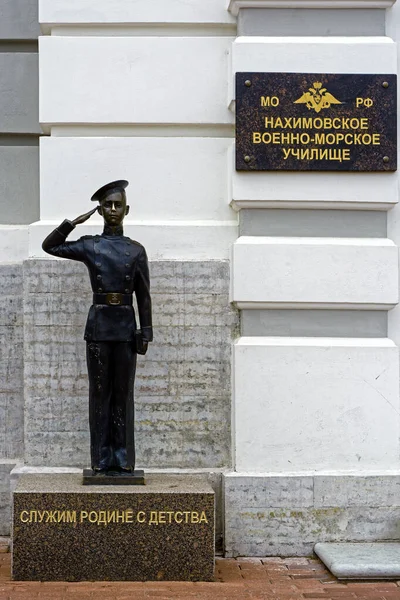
[(111, 370)]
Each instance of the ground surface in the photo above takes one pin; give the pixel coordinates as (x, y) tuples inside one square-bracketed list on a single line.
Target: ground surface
[(241, 579)]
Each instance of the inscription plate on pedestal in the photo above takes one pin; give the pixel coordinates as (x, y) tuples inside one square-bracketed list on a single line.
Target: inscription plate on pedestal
[(315, 122), (64, 531)]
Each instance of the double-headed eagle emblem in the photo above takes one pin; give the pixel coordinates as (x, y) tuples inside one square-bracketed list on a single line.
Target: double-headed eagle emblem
[(317, 98)]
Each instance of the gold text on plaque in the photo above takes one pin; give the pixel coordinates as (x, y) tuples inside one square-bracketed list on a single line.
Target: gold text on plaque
[(317, 98)]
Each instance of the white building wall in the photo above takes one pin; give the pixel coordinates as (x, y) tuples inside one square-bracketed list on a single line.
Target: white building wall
[(178, 198), (139, 91), (339, 273), (316, 404)]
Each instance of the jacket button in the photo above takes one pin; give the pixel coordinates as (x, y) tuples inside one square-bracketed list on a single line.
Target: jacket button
[(127, 290), (98, 276), (127, 253), (127, 265), (127, 278), (100, 290), (98, 264)]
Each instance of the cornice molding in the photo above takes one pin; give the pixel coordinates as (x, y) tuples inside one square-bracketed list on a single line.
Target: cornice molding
[(236, 5)]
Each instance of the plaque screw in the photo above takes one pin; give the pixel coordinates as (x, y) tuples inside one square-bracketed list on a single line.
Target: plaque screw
[(247, 158), (386, 159), (385, 84), (247, 83)]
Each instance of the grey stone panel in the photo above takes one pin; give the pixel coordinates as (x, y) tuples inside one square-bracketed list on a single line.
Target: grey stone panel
[(260, 522), (11, 306), (189, 276), (5, 496), (187, 432), (54, 447), (62, 276), (261, 492), (54, 345), (11, 354), (182, 385), (303, 22), (192, 310), (315, 323), (313, 223), (12, 424), (11, 362), (53, 378), (19, 20), (19, 184), (63, 311), (294, 532), (48, 414), (357, 491), (19, 93)]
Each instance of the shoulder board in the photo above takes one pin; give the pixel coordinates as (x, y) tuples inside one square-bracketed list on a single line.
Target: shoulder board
[(133, 242)]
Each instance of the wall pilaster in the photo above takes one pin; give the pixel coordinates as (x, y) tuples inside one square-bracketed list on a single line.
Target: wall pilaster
[(307, 401)]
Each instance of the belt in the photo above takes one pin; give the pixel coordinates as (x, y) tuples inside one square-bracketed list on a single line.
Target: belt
[(113, 299)]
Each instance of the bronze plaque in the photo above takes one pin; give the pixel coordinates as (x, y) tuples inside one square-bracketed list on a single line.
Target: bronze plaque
[(315, 122)]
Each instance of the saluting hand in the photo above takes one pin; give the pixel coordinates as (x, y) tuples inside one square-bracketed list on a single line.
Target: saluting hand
[(85, 217)]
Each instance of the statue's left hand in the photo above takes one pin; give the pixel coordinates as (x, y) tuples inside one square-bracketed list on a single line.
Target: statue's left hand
[(85, 217)]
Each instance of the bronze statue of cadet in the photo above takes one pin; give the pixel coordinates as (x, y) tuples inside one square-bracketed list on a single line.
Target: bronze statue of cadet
[(118, 268)]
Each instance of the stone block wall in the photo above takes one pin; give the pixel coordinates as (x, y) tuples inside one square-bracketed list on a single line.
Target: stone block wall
[(183, 384), (182, 392), (286, 515), (11, 383), (11, 362)]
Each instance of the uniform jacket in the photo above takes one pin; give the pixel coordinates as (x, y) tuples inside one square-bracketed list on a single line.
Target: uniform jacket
[(115, 264)]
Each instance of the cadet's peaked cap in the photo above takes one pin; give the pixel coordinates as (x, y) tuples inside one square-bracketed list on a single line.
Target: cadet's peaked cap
[(106, 190)]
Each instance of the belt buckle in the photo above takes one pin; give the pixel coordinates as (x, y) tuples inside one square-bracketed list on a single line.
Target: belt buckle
[(114, 299)]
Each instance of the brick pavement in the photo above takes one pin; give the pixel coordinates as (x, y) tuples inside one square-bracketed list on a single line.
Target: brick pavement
[(240, 579)]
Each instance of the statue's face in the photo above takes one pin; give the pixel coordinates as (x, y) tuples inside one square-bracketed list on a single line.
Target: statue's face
[(113, 209)]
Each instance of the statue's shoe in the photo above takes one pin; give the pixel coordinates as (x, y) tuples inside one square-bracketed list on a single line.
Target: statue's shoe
[(100, 471), (126, 469), (116, 470)]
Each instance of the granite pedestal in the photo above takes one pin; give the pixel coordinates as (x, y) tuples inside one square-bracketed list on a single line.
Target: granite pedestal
[(64, 531)]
